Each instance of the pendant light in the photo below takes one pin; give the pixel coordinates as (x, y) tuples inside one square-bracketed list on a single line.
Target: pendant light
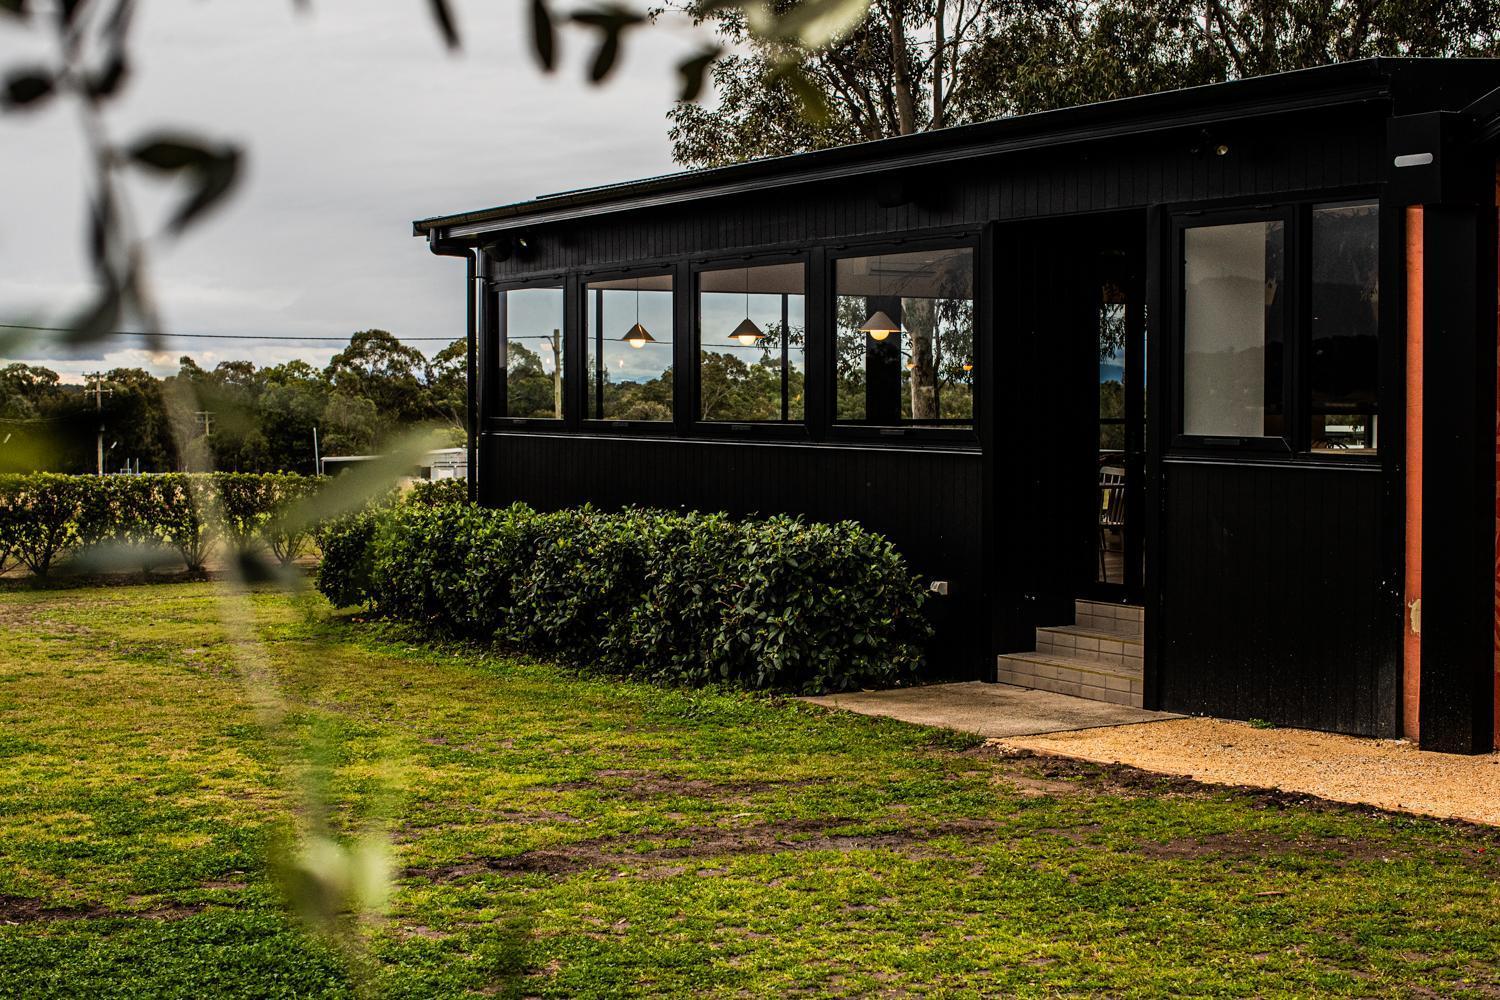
[(747, 333), (638, 336), (879, 326)]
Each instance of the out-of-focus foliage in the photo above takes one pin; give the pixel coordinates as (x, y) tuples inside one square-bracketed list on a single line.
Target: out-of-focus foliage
[(682, 598)]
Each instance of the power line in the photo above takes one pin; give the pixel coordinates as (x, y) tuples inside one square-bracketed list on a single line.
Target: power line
[(212, 336)]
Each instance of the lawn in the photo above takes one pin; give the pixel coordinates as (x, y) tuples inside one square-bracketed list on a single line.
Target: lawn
[(557, 835)]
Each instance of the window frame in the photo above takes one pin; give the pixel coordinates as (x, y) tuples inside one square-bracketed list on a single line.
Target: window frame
[(966, 431), (1281, 444), (1303, 439), (654, 428), (499, 373), (1295, 443), (777, 429)]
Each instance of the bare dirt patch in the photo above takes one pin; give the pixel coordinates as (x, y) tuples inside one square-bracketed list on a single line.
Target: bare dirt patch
[(635, 784), (704, 842), (20, 910)]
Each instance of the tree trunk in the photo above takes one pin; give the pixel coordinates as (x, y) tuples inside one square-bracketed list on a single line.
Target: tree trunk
[(920, 320), (906, 108)]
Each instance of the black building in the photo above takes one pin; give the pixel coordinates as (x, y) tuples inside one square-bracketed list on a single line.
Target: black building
[(1224, 355)]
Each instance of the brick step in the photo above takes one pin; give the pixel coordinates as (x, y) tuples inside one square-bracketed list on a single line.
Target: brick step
[(1070, 675), (1101, 616), (1116, 649)]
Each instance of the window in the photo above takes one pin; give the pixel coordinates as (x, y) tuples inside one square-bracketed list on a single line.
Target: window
[(905, 326), (627, 326), (532, 351), (1233, 304), (1344, 322), (751, 343)]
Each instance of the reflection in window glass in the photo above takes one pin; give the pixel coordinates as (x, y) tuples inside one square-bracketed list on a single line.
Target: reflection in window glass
[(906, 338), (1232, 364), (751, 342), (1112, 331), (628, 348), (1345, 303), (532, 351)]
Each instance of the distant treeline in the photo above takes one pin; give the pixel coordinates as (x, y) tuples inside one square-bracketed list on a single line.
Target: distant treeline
[(234, 417)]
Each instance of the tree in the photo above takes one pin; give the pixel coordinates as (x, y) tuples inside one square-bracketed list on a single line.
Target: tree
[(915, 65), (25, 391), (448, 384), (378, 367)]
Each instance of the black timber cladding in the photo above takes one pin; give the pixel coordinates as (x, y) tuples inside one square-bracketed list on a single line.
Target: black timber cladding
[(1296, 152)]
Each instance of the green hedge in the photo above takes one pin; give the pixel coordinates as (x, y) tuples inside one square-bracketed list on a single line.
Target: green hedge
[(670, 596), (45, 517)]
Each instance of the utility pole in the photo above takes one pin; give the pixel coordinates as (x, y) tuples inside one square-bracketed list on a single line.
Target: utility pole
[(207, 417), (98, 379), (317, 458)]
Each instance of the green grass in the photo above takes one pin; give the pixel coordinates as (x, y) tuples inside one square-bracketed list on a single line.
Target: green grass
[(566, 836)]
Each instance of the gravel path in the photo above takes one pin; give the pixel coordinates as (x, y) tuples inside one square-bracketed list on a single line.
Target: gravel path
[(1385, 773)]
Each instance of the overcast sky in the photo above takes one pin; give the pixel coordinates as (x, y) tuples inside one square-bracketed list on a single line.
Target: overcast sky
[(357, 121)]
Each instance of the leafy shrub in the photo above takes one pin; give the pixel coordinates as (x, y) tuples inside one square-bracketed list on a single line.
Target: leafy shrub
[(40, 512), (436, 492), (678, 597), (345, 572), (44, 516), (825, 606), (450, 566), (178, 506), (257, 511)]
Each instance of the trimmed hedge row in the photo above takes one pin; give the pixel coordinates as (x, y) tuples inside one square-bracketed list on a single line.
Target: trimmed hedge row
[(45, 516), (677, 597)]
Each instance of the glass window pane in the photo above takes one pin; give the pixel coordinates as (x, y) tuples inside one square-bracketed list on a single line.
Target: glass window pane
[(628, 348), (905, 326), (1345, 304), (751, 343), (532, 351), (1112, 333), (1232, 365)]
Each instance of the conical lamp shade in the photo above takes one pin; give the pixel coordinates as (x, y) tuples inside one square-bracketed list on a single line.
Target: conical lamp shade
[(638, 336), (880, 326), (747, 333)]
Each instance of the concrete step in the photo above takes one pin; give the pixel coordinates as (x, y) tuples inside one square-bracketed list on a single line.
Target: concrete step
[(1070, 675), (1101, 616), (1115, 649)]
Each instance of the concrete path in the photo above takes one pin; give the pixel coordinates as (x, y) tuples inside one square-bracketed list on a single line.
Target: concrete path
[(991, 710), (1390, 774)]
